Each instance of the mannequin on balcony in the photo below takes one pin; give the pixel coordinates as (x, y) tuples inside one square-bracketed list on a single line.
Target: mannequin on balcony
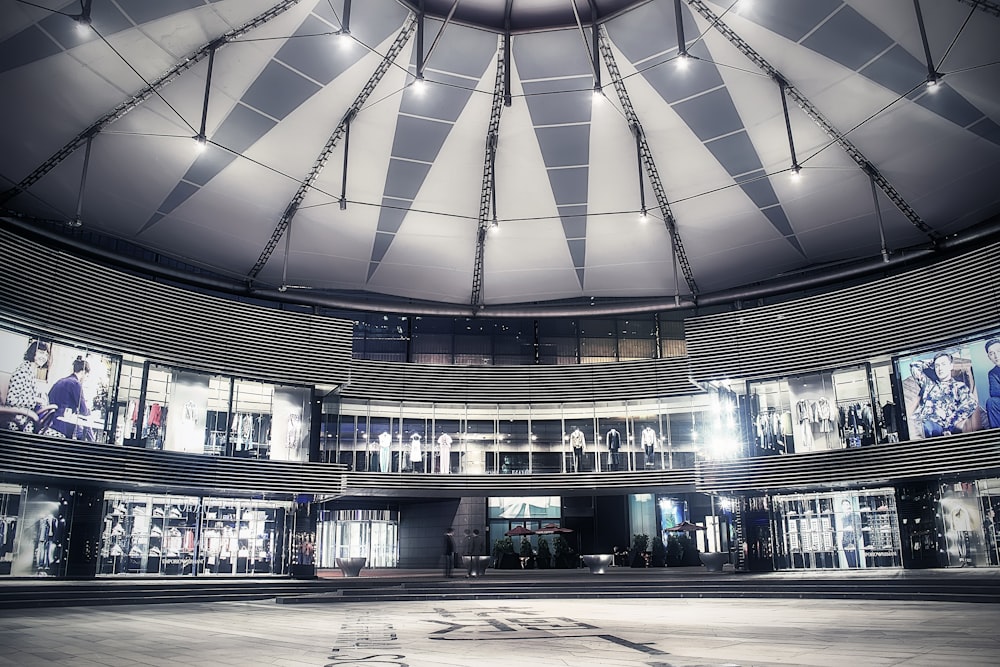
[(444, 448), (577, 441), (614, 442)]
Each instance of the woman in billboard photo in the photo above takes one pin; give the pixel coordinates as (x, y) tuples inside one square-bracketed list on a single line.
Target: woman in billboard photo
[(25, 392)]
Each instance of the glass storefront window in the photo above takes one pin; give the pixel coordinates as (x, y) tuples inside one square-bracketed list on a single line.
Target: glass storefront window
[(369, 534), (187, 535), (848, 530)]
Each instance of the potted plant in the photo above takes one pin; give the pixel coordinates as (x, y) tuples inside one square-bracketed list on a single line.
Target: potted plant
[(544, 558), (504, 556), (527, 555), (637, 554), (565, 557), (658, 553), (675, 551)]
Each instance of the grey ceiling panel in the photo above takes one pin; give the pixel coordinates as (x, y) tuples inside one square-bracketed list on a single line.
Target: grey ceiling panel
[(319, 58), (63, 30), (791, 18), (564, 146), (142, 11), (419, 139), (571, 107), (278, 91), (759, 189), (897, 70), (180, 194), (578, 251), (571, 85), (382, 242), (643, 32), (558, 52), (242, 128), (404, 178), (574, 226), (26, 47), (569, 185), (674, 84), (710, 115), (460, 50), (987, 129), (390, 216), (848, 38), (776, 215), (209, 163), (438, 101), (946, 102), (735, 153)]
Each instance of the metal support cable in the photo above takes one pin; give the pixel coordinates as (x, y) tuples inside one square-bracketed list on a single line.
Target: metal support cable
[(487, 198), (293, 206), (138, 98), (652, 173), (853, 151)]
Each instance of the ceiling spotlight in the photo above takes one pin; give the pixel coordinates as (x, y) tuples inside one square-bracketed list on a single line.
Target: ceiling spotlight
[(419, 84), (200, 142), (796, 171), (74, 222), (83, 27), (494, 226), (598, 93), (644, 216), (933, 79), (682, 60), (343, 204), (344, 38)]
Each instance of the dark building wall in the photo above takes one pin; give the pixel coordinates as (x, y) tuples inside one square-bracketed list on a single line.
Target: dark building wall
[(422, 526)]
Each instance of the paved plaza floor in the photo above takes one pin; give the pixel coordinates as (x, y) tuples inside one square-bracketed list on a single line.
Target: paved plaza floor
[(518, 633)]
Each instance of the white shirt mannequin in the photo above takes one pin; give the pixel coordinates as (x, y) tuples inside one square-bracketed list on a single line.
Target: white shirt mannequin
[(444, 444), (415, 454), (384, 451)]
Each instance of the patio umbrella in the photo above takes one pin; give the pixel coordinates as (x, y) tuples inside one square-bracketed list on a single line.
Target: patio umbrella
[(685, 526), (550, 528), (519, 530)]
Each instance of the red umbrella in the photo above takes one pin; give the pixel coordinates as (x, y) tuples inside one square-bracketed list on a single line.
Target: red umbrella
[(519, 530)]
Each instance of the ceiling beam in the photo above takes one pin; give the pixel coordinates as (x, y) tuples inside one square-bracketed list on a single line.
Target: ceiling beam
[(853, 151), (304, 186), (487, 197), (680, 259)]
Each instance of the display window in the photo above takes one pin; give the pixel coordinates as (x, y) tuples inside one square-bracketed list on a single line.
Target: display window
[(189, 535), (516, 439), (55, 389), (847, 530), (369, 534), (34, 530), (10, 516), (812, 412), (953, 389)]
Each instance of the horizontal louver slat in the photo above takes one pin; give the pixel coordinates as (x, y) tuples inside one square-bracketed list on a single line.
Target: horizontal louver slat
[(79, 300), (950, 299), (627, 380)]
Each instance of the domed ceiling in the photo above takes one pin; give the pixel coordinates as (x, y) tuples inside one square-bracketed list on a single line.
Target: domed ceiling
[(489, 155)]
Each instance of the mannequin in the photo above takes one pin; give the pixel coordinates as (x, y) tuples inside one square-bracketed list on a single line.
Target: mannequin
[(649, 444), (416, 456), (444, 445), (577, 441), (614, 441), (384, 451)]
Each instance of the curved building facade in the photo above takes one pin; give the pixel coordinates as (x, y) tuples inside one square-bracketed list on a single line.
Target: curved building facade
[(151, 428)]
